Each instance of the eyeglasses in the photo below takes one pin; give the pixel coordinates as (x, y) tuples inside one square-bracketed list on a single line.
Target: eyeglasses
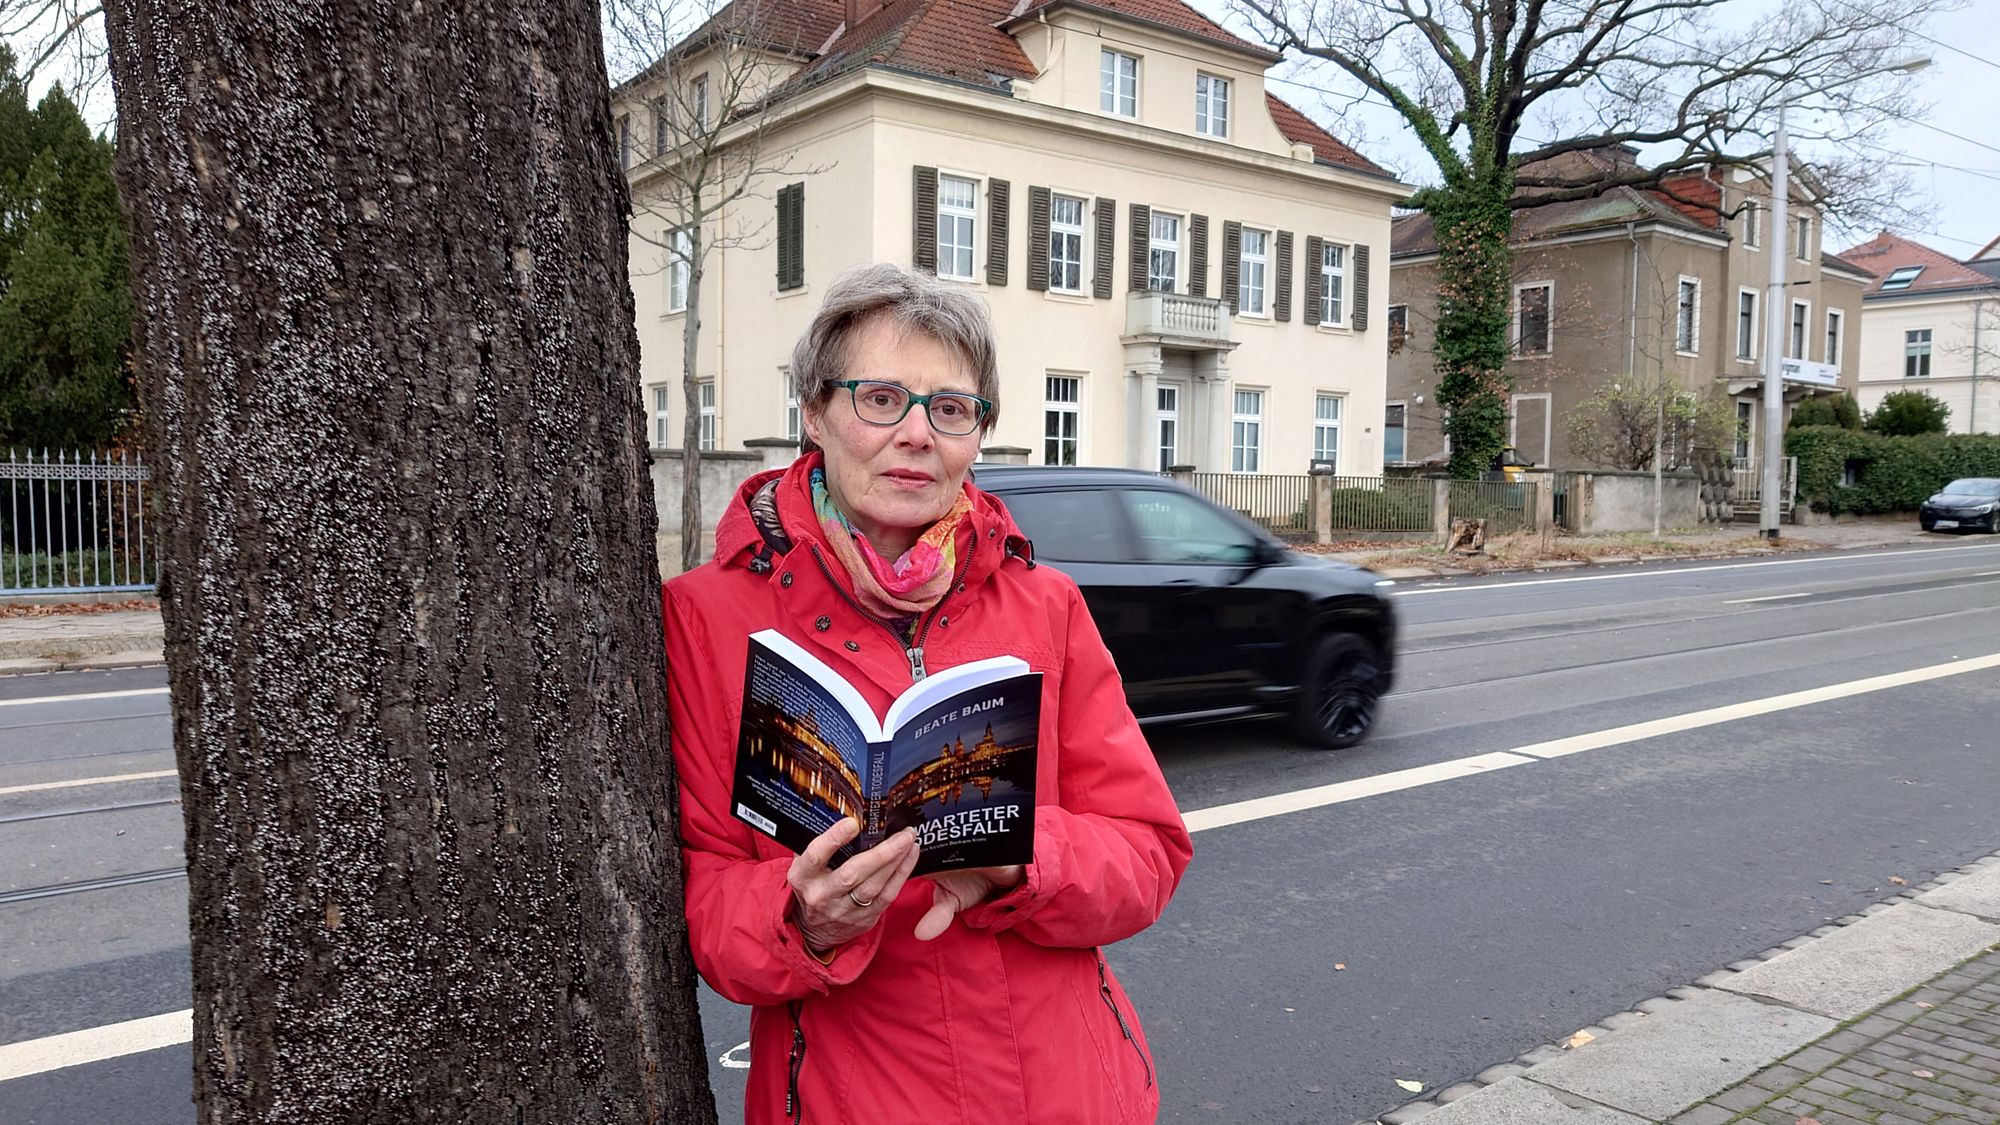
[(886, 404)]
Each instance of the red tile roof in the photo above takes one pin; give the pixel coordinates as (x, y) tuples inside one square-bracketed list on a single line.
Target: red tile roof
[(1169, 13), (1886, 253), (1297, 128)]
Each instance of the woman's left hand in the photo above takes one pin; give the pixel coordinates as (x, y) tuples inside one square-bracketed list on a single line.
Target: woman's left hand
[(953, 891)]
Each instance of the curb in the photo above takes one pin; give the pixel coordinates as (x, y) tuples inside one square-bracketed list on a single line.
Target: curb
[(1620, 560), (1601, 1041), (63, 661)]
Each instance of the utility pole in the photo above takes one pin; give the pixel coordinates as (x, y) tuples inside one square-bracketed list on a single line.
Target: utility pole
[(1771, 476)]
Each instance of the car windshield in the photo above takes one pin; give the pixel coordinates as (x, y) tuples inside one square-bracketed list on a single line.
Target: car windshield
[(1973, 488)]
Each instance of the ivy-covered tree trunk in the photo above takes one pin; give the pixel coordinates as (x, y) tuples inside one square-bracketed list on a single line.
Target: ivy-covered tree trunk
[(386, 351), (1472, 222)]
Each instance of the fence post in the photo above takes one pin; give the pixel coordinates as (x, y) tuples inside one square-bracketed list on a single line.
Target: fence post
[(1441, 510), (1545, 511), (1320, 495)]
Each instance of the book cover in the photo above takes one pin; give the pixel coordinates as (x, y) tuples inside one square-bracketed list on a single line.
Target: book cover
[(954, 757)]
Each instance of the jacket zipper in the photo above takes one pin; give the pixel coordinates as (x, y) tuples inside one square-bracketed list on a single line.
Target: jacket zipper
[(913, 651), (795, 1106), (1104, 990)]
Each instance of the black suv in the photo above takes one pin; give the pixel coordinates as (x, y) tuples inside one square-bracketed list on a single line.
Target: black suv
[(1206, 614)]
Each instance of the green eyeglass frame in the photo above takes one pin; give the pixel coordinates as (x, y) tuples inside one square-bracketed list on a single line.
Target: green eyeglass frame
[(853, 386)]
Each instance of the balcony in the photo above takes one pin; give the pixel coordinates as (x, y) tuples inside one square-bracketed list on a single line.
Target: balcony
[(1177, 319)]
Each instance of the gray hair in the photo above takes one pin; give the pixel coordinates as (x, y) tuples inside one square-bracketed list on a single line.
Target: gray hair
[(912, 300)]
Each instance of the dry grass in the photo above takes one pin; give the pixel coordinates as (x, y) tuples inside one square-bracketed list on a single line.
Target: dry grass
[(60, 609), (1512, 552)]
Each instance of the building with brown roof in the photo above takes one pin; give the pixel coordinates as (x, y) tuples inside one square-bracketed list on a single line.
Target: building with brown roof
[(1177, 262), (1929, 324), (1665, 286)]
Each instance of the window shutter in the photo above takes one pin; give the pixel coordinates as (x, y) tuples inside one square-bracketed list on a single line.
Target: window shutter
[(1357, 314), (1282, 296), (998, 198), (1142, 242), (1197, 255), (1232, 262), (923, 221), (1038, 239), (791, 236), (1315, 252), (1107, 235)]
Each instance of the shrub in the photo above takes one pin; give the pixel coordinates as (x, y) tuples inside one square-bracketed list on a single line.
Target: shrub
[(1396, 507), (1838, 410), (1908, 413), (1891, 474)]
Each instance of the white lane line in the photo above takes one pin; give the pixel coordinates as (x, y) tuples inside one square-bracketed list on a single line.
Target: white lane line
[(80, 696), (1419, 592), (1769, 598), (1320, 796), (74, 783), (1988, 574), (95, 1044)]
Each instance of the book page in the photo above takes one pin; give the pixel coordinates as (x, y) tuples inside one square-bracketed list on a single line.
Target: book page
[(948, 682), (963, 772), (801, 756)]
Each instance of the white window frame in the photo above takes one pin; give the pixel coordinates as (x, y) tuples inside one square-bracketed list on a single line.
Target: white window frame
[(680, 249), (711, 416), (1167, 424), (1836, 329), (663, 402), (1323, 426), (1332, 267), (1753, 220), (1798, 331), (698, 100), (1917, 353), (1067, 236), (1246, 430), (1548, 318), (794, 422), (1262, 286), (1062, 400), (1745, 446), (624, 140), (1118, 83), (1404, 406), (1753, 339), (1158, 246), (1399, 335), (1687, 313), (1211, 106), (1802, 236), (1514, 420), (950, 216)]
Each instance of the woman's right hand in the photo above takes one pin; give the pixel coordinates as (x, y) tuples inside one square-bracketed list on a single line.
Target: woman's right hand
[(838, 905)]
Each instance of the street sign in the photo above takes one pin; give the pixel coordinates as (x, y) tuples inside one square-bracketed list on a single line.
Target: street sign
[(1810, 374)]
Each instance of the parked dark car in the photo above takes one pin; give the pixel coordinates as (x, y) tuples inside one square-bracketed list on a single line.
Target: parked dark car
[(1971, 502), (1206, 613)]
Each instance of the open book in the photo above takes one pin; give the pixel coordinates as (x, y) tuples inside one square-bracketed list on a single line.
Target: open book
[(954, 756)]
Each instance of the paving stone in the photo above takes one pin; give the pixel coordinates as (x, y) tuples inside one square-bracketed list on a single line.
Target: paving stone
[(1452, 1093), (1869, 963), (1618, 1021), (1494, 1074), (1705, 1114), (1655, 1005), (1522, 1101), (1406, 1113)]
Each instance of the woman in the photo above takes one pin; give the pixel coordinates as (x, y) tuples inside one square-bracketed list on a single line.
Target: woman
[(968, 995)]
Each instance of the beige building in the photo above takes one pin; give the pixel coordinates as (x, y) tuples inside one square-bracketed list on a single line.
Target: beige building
[(1658, 286), (1177, 262), (1930, 324)]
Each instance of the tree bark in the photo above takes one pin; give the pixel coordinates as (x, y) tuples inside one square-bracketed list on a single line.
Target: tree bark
[(387, 361)]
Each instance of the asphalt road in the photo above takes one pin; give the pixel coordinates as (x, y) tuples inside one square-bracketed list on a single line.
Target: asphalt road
[(1313, 956)]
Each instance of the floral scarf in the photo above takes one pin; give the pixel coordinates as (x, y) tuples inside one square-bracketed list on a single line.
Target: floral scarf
[(903, 588)]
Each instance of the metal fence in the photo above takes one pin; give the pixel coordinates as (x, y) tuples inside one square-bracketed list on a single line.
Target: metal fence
[(1381, 504), (1506, 507), (74, 523), (1282, 503)]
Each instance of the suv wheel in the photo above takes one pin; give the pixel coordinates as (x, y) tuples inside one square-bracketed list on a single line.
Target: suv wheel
[(1338, 693)]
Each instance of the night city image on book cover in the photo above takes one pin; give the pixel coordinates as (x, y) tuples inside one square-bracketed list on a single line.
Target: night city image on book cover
[(954, 756)]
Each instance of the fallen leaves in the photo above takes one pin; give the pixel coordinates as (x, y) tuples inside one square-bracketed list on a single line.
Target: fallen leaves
[(1411, 1085), (1899, 880), (1920, 1072), (61, 609), (1581, 1038), (1340, 966)]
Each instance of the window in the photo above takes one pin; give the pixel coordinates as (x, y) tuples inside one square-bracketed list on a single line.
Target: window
[(1060, 410), (958, 205), (1246, 430), (1072, 525), (1167, 423), (1900, 278), (1687, 310), (1835, 320), (1326, 429), (698, 101), (1174, 527), (663, 126), (706, 390), (1752, 226), (1066, 244), (663, 400), (680, 265), (1211, 106), (1163, 264), (1917, 354), (1531, 318), (1795, 341), (1118, 83), (1746, 424), (1393, 447), (1746, 324), (1332, 282), (1250, 273), (1399, 327), (624, 140), (793, 430), (1802, 240)]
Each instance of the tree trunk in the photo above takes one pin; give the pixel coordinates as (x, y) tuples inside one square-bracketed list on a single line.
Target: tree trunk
[(1475, 297), (692, 532), (386, 352)]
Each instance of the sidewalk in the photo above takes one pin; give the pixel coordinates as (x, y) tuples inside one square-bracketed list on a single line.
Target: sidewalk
[(1888, 1017), (87, 637)]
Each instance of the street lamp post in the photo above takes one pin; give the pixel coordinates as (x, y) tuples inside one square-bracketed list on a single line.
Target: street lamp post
[(1772, 476)]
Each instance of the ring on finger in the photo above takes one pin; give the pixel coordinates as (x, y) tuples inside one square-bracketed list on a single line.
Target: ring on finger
[(859, 901)]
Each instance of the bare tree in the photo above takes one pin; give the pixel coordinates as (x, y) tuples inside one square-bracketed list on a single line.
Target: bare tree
[(63, 39), (386, 348), (694, 130), (1700, 81)]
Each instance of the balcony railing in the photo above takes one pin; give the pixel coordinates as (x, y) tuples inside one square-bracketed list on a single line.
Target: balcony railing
[(1177, 315)]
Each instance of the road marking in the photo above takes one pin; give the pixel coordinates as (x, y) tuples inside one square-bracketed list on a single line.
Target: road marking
[(96, 1044), (1444, 589), (1769, 598), (80, 696), (1278, 804), (1988, 574), (41, 786)]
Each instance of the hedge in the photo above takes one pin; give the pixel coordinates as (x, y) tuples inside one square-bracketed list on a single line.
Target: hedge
[(1891, 474)]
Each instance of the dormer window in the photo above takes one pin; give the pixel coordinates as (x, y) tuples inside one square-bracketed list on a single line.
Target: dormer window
[(1118, 83), (1900, 278), (1211, 105)]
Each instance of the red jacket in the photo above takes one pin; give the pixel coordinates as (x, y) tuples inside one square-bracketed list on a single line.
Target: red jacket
[(1011, 1015)]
